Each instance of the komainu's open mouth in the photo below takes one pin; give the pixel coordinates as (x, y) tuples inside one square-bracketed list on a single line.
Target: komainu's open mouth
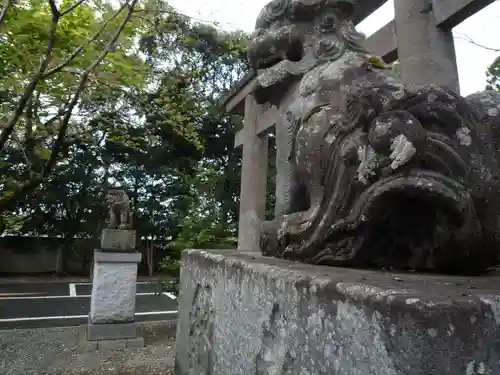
[(270, 48), (279, 58), (412, 220), (446, 195)]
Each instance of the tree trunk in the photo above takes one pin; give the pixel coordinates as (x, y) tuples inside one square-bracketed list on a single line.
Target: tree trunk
[(60, 261), (63, 254), (229, 209), (149, 255)]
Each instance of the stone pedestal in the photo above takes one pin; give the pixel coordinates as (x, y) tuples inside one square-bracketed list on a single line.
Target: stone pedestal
[(112, 303), (118, 240), (241, 313)]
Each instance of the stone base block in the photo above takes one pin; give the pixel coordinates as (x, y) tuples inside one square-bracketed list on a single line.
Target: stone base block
[(111, 331), (114, 287), (241, 313), (91, 339), (118, 240)]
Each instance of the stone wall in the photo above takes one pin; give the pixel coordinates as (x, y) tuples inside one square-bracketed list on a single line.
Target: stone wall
[(25, 255), (243, 313), (30, 255)]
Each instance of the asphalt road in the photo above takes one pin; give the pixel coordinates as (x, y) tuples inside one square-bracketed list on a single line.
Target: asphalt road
[(56, 304)]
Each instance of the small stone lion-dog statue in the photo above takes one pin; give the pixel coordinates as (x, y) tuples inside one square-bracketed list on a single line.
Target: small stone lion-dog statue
[(120, 215)]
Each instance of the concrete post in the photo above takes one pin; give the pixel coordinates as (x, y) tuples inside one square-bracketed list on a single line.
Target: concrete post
[(426, 52), (253, 179)]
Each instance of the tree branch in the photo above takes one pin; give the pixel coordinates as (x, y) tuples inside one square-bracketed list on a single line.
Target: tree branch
[(3, 13), (29, 142), (55, 117), (65, 121), (82, 46), (20, 193), (471, 41), (25, 188), (71, 8), (28, 91), (26, 157), (53, 8)]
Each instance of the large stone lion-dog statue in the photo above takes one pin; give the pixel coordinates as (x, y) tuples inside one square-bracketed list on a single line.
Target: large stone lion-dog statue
[(384, 174)]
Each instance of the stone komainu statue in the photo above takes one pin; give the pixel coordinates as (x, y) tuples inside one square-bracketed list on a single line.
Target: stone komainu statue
[(383, 174), (120, 216)]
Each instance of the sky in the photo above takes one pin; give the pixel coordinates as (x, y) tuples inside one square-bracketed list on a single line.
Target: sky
[(483, 28)]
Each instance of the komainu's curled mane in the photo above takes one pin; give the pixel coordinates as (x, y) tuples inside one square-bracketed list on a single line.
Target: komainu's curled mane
[(385, 174)]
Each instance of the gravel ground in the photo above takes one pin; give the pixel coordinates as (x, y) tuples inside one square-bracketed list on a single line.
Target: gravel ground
[(55, 351)]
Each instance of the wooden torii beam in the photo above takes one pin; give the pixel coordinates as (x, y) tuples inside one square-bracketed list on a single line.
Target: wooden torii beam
[(420, 36)]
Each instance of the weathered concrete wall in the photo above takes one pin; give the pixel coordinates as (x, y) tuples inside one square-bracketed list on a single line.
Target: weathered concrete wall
[(243, 314), (24, 255), (27, 255)]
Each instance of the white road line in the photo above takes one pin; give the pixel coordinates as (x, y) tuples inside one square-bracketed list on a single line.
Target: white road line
[(35, 318), (75, 296), (139, 282), (170, 295), (155, 312), (72, 290)]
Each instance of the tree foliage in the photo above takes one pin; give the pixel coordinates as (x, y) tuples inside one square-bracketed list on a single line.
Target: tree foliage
[(93, 95), (56, 60), (493, 75)]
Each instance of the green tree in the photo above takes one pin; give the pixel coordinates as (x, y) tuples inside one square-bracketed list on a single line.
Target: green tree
[(493, 75), (210, 62), (147, 119), (54, 60)]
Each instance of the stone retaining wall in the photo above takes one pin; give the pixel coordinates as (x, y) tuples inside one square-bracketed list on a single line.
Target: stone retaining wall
[(242, 313)]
